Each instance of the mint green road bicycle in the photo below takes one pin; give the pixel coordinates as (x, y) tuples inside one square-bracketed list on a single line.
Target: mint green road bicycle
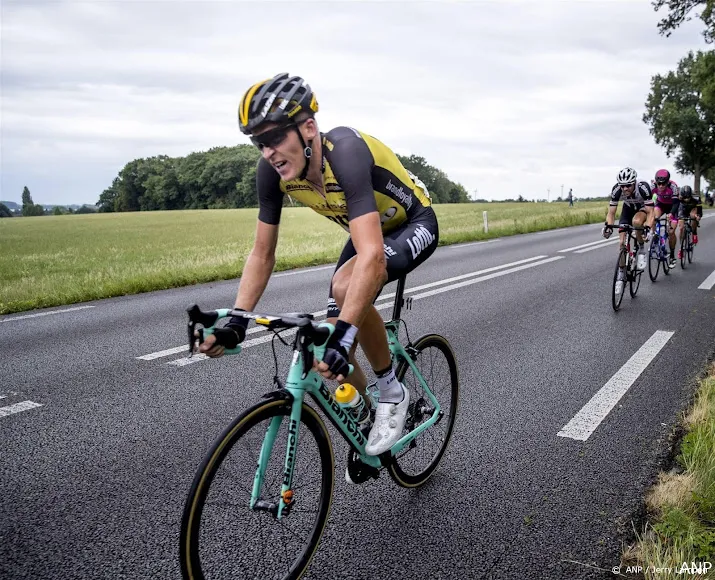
[(260, 499)]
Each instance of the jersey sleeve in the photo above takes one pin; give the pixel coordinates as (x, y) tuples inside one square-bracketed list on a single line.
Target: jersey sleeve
[(615, 195), (675, 207), (352, 164), (646, 193), (270, 196)]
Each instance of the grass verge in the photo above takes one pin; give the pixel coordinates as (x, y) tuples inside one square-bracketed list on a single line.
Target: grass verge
[(56, 260), (678, 540)]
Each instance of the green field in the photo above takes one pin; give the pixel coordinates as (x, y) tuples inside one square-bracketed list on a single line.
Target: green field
[(55, 260)]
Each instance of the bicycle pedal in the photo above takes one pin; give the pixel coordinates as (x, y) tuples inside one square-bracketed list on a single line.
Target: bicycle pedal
[(358, 471)]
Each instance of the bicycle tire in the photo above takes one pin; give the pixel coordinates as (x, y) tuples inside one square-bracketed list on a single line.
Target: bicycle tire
[(396, 471), (683, 249), (191, 521), (635, 277), (616, 299), (691, 247), (654, 257)]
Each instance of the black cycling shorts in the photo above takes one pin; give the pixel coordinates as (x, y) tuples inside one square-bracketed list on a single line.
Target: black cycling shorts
[(628, 211), (405, 249)]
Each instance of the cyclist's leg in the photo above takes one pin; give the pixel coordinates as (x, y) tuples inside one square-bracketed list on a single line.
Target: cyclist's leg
[(672, 222), (405, 249), (658, 211), (639, 220), (357, 377), (626, 219), (694, 224)]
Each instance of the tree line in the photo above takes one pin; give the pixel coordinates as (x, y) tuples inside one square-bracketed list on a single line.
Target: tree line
[(680, 108), (30, 208), (225, 177)]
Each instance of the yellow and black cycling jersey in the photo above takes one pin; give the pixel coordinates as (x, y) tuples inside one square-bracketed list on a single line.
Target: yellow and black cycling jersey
[(360, 175)]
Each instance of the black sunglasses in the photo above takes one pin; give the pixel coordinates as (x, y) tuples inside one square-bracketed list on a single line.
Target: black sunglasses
[(272, 138), (661, 181), (275, 136)]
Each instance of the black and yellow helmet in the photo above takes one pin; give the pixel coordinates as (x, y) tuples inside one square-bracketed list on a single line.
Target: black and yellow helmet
[(275, 100)]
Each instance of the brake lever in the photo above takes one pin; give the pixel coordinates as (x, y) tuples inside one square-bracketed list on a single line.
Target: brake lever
[(307, 354)]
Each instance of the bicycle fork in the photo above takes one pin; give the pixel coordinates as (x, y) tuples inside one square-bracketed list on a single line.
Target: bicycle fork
[(283, 505)]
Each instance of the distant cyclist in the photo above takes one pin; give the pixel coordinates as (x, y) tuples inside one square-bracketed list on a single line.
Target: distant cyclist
[(665, 196), (689, 205), (637, 204)]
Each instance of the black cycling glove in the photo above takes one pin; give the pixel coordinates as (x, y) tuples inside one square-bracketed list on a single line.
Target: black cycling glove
[(233, 333), (338, 348)]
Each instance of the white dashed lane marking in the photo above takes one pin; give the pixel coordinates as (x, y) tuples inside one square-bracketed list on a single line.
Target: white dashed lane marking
[(18, 408), (590, 416)]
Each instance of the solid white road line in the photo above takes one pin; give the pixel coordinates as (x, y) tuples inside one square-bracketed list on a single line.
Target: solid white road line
[(469, 244), (602, 245), (582, 246), (178, 349), (255, 341), (45, 313), (488, 277), (18, 408), (708, 283), (303, 271), (585, 422)]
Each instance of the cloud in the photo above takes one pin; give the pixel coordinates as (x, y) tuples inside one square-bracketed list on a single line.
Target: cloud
[(506, 97)]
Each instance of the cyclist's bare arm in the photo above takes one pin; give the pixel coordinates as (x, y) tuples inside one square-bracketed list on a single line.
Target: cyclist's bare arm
[(258, 267), (256, 273), (370, 270), (611, 214)]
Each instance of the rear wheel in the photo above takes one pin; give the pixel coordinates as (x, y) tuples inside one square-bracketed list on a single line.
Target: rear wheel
[(684, 249), (435, 361), (635, 279)]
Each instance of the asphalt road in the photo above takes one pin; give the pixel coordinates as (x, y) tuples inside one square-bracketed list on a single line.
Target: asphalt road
[(102, 424)]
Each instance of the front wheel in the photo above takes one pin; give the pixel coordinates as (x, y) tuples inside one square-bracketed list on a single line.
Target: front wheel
[(635, 276), (435, 361), (654, 258), (221, 535), (619, 279), (684, 243)]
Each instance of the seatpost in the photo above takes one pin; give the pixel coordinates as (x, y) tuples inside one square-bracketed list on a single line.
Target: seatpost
[(397, 308)]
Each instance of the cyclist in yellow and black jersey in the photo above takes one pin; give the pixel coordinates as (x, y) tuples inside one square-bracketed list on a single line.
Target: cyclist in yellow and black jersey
[(358, 182)]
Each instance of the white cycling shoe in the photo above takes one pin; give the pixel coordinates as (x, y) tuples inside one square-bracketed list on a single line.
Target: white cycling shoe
[(389, 422)]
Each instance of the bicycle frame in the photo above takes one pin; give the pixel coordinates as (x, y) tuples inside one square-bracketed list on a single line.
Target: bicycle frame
[(661, 231), (313, 384)]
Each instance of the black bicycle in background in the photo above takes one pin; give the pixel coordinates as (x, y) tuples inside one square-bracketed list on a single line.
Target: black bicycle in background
[(686, 243)]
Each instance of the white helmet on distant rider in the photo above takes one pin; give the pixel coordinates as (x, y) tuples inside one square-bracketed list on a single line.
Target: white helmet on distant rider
[(627, 175)]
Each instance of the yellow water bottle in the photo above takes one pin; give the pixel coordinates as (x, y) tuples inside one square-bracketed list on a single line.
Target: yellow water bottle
[(350, 399)]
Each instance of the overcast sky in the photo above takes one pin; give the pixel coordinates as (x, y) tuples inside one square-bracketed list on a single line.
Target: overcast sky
[(507, 98)]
